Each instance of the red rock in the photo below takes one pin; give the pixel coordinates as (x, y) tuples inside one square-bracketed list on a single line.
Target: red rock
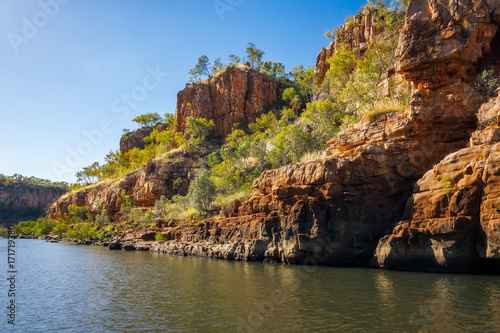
[(232, 97)]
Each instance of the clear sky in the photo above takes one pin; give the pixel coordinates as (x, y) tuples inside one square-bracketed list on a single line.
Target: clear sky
[(67, 66)]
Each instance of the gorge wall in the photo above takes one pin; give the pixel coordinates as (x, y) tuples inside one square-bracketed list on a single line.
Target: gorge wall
[(334, 211), (403, 191), (356, 35), (231, 97), (144, 187), (21, 202)]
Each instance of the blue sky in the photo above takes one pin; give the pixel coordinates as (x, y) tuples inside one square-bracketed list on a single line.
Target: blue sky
[(68, 65)]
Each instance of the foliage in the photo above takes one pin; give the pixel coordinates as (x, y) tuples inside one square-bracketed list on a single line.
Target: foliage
[(160, 237), (202, 191), (200, 70), (225, 201), (304, 81), (89, 174), (488, 82), (148, 119), (218, 66), (160, 206), (127, 200), (118, 164), (82, 231), (254, 55), (324, 119), (292, 97), (20, 181), (102, 219), (234, 60), (197, 130), (149, 218), (77, 214), (42, 226), (448, 187), (342, 65)]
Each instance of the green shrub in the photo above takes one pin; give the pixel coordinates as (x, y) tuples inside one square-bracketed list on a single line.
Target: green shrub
[(77, 214), (160, 207), (202, 191), (160, 237), (488, 82), (102, 219), (198, 128), (149, 218)]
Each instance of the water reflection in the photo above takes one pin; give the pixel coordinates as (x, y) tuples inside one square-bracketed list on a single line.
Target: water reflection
[(93, 289)]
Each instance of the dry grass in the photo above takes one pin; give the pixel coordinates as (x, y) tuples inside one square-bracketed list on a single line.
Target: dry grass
[(225, 200), (383, 107), (312, 156), (242, 67)]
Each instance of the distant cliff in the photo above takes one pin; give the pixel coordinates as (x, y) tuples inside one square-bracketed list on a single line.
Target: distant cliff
[(234, 96), (20, 201)]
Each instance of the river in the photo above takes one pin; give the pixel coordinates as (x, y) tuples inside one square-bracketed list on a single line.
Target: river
[(75, 288)]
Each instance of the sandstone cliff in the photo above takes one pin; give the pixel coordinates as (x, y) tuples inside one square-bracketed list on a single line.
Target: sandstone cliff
[(377, 191), (234, 96), (333, 211), (21, 202), (144, 186), (451, 222), (357, 34)]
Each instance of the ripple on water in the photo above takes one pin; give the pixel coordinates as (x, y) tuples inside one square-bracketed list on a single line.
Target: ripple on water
[(73, 288)]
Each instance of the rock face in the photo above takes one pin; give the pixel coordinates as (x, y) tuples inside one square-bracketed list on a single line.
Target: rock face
[(328, 212), (20, 202), (354, 35), (333, 211), (451, 222), (145, 186), (376, 197), (135, 139), (234, 96)]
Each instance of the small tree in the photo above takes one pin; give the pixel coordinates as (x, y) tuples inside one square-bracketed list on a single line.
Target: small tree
[(254, 55), (89, 174), (198, 128), (202, 191), (234, 60), (201, 69), (218, 66), (160, 207), (292, 97), (102, 219), (148, 119)]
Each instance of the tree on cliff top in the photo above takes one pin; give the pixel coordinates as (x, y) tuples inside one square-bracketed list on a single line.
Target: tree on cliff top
[(254, 55), (148, 119), (201, 69)]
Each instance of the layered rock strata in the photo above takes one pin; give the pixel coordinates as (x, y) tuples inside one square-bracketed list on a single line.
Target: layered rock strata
[(362, 198), (144, 187), (332, 211), (356, 34), (234, 96), (452, 221)]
